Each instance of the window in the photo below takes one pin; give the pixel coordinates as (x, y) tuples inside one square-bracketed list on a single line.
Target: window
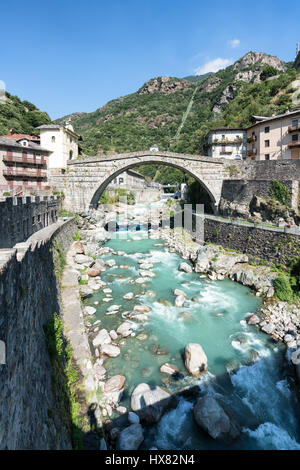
[(33, 220), (253, 133), (53, 138), (121, 180), (267, 156), (70, 155), (267, 129), (295, 122), (38, 158), (294, 137), (39, 217), (115, 181), (223, 137), (267, 143)]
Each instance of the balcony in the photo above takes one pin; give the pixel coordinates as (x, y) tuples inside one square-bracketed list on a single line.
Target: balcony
[(294, 128), (226, 142), (24, 173), (251, 139), (24, 159), (251, 152), (294, 143)]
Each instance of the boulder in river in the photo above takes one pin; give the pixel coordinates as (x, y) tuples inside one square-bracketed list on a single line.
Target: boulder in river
[(179, 301), (139, 317), (253, 320), (141, 309), (213, 419), (179, 292), (114, 384), (128, 296), (150, 402), (195, 359), (90, 310), (110, 350), (130, 438), (102, 338), (169, 369), (125, 329), (185, 267)]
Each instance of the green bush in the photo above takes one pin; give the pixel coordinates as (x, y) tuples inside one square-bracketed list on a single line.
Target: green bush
[(283, 288), (280, 192), (76, 237)]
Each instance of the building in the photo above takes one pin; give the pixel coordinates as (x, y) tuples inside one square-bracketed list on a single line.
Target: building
[(23, 166), (225, 142), (274, 138), (62, 141), (128, 180)]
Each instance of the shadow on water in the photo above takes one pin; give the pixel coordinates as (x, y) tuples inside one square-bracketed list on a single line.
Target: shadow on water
[(189, 436)]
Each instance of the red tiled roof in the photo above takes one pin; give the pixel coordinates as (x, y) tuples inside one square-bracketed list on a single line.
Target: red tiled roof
[(21, 136)]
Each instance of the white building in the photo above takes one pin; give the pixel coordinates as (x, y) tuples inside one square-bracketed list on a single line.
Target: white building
[(225, 143), (62, 141), (130, 179)]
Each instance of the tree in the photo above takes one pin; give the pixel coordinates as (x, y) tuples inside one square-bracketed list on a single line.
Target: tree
[(268, 71)]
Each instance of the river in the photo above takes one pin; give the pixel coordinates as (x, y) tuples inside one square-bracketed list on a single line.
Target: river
[(247, 370)]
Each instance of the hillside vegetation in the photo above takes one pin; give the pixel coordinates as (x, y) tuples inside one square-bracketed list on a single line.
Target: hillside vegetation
[(21, 116), (153, 114)]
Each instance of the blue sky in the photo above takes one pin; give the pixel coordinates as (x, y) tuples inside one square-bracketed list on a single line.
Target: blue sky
[(70, 55)]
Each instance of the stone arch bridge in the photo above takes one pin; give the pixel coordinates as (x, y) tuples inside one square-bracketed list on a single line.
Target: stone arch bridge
[(85, 179)]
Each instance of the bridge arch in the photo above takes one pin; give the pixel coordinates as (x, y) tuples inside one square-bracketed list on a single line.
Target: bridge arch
[(96, 196), (86, 178)]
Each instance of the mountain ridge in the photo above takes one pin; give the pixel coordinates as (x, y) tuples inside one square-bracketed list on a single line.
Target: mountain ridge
[(153, 114)]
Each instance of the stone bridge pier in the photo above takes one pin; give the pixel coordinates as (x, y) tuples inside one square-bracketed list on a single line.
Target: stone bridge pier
[(85, 179)]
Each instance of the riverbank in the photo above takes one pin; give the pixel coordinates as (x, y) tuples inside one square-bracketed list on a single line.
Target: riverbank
[(216, 263)]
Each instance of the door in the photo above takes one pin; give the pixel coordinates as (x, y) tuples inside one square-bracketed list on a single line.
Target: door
[(294, 153)]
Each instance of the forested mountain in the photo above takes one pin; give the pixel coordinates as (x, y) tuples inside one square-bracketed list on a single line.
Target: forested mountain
[(255, 84), (21, 116)]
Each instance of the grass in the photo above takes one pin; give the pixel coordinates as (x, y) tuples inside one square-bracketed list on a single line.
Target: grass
[(65, 379)]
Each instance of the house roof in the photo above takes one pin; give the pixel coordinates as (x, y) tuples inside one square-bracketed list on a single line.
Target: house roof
[(15, 143), (135, 173), (262, 119), (226, 129), (57, 126), (21, 136)]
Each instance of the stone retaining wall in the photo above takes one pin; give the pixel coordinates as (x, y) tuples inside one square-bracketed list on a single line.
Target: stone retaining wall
[(29, 296), (278, 247)]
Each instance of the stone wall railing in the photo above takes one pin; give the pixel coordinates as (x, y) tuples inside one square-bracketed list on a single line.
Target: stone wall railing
[(20, 217), (29, 296)]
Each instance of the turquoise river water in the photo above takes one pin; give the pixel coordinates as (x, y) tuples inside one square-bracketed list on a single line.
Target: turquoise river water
[(247, 370)]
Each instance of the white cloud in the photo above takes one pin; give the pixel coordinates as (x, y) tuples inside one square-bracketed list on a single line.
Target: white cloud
[(234, 43), (213, 66)]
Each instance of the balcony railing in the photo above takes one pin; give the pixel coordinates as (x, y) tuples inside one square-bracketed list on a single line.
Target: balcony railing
[(252, 139), (294, 128), (25, 172), (225, 152), (25, 159), (226, 142), (251, 152), (294, 143)]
